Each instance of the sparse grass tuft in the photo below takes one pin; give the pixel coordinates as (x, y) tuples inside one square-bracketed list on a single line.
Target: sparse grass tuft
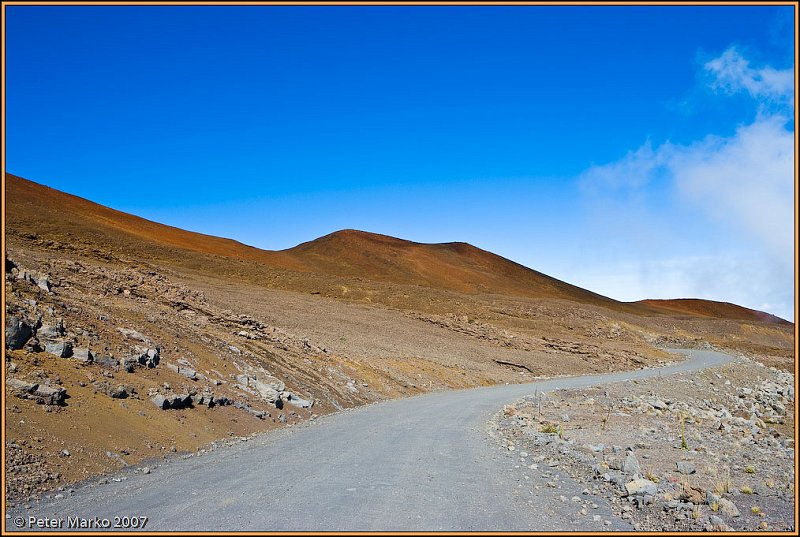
[(714, 506), (750, 470), (549, 428), (746, 490), (722, 484), (684, 445), (652, 477), (697, 512), (756, 510)]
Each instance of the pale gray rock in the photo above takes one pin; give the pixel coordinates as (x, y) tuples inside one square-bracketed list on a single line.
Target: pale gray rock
[(640, 487), (83, 355), (685, 467), (62, 349), (631, 465)]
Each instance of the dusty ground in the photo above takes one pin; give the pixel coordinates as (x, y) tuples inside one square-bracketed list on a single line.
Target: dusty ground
[(717, 447)]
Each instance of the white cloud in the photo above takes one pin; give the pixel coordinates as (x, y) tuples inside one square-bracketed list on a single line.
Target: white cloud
[(732, 73), (742, 183), (739, 279), (746, 179)]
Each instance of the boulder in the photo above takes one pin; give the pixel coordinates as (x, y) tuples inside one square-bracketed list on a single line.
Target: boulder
[(43, 283), (133, 334), (220, 400), (51, 331), (62, 349), (292, 399), (18, 332), (129, 363), (107, 362), (20, 388), (160, 401), (188, 372), (147, 357), (41, 394), (728, 507), (694, 495), (119, 391), (83, 355), (685, 467), (658, 404), (631, 465), (640, 487), (50, 395)]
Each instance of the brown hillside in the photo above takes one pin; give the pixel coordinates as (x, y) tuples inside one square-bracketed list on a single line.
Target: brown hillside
[(456, 267), (711, 308)]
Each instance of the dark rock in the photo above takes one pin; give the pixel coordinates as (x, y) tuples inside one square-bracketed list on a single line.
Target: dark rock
[(49, 395), (106, 361), (18, 332), (129, 363)]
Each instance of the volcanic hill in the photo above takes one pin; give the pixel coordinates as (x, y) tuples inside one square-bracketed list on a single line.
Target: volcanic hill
[(130, 337)]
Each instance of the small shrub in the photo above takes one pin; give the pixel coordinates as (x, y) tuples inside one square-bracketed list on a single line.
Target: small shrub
[(722, 485), (750, 470), (549, 428)]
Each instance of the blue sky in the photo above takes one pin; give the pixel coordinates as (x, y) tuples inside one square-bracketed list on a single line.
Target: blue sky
[(617, 148)]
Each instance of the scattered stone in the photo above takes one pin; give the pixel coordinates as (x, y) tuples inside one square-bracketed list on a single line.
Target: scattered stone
[(728, 507), (18, 332), (160, 401), (83, 355), (685, 467), (640, 487), (292, 399), (62, 349), (106, 362), (631, 465), (133, 334)]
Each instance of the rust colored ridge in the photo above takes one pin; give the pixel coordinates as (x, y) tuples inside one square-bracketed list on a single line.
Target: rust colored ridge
[(456, 266), (32, 207), (711, 308)]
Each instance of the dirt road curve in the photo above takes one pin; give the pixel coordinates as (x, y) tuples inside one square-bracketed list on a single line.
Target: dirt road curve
[(423, 463)]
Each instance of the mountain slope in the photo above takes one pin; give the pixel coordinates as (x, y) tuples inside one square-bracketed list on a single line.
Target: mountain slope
[(456, 266), (711, 308)]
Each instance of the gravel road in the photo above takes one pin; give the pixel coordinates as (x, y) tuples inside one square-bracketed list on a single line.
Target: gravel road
[(415, 464)]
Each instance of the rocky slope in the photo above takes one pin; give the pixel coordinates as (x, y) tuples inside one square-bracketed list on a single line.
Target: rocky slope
[(694, 452)]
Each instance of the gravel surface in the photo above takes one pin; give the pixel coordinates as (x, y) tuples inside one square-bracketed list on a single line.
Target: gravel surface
[(707, 450), (422, 463)]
